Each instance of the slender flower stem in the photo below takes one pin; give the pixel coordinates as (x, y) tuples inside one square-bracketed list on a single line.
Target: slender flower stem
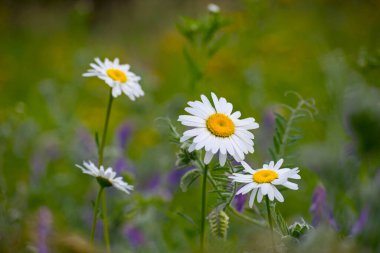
[(270, 222), (245, 217), (230, 208), (95, 218), (100, 163), (203, 210), (105, 223), (104, 135)]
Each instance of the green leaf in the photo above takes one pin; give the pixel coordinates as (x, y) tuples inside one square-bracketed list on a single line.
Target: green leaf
[(280, 125), (281, 223), (187, 218), (215, 46), (188, 179), (97, 139), (188, 27)]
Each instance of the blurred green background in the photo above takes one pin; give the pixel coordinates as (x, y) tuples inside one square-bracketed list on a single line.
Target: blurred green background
[(49, 113)]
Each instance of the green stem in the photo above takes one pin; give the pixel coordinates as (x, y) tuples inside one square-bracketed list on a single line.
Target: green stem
[(95, 218), (245, 217), (230, 208), (104, 135), (270, 222), (100, 163), (203, 210), (105, 223), (287, 129)]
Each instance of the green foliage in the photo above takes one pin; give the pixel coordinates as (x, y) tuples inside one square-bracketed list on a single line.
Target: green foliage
[(222, 184), (184, 157), (285, 132), (218, 221), (205, 38), (298, 229), (189, 178), (281, 223)]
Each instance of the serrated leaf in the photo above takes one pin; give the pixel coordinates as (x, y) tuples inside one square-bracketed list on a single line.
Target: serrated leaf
[(280, 118), (279, 125), (276, 145), (273, 154), (188, 179), (281, 223)]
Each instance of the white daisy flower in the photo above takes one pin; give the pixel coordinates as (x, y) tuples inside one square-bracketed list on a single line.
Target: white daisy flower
[(217, 129), (264, 181), (105, 178), (117, 76), (213, 8)]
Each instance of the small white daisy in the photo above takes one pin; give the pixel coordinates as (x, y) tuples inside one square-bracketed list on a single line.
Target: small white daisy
[(106, 177), (117, 76), (264, 181), (217, 129), (213, 8)]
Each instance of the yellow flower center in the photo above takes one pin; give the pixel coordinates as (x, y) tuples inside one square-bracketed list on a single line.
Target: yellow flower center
[(265, 176), (117, 75), (220, 125)]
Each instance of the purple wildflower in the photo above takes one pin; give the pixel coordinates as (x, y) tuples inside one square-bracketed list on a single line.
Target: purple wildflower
[(121, 165), (84, 145), (134, 236), (174, 177), (46, 153), (239, 202), (44, 227), (153, 183), (123, 134), (320, 209), (361, 222)]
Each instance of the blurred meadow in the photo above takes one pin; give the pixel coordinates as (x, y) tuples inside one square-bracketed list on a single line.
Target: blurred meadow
[(266, 53)]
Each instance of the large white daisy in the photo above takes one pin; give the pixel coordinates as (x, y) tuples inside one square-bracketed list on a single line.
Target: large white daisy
[(217, 129), (106, 177), (117, 76), (264, 181)]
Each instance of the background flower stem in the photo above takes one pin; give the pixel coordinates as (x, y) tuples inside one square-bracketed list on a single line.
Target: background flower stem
[(270, 222), (105, 129), (95, 218), (100, 163), (105, 223), (203, 210)]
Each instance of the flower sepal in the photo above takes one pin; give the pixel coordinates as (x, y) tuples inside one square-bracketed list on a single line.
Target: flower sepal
[(298, 229), (103, 182)]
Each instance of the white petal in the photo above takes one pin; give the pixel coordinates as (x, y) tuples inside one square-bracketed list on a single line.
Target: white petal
[(278, 195), (116, 91), (246, 188), (265, 188), (247, 168), (192, 147), (208, 157), (236, 115), (191, 118), (291, 185), (222, 158), (216, 102), (259, 196), (252, 198), (271, 192), (278, 164)]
